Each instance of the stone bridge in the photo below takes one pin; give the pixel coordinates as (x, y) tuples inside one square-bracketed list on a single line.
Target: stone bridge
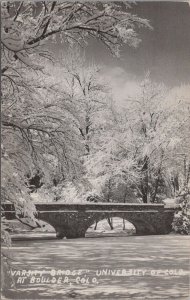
[(73, 220)]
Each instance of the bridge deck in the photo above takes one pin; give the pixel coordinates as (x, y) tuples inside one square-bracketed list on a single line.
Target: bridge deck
[(54, 207)]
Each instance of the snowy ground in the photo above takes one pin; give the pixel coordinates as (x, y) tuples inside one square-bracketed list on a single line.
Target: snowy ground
[(154, 267)]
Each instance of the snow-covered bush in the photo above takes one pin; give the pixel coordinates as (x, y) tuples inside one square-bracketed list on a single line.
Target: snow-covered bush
[(181, 222)]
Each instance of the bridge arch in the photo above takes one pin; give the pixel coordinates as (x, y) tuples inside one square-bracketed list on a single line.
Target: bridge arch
[(74, 225), (115, 224), (141, 225)]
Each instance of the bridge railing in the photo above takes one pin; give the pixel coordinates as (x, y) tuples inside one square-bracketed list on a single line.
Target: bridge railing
[(90, 206)]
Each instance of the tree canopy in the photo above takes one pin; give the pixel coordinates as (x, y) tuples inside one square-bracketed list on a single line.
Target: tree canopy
[(59, 120), (40, 121)]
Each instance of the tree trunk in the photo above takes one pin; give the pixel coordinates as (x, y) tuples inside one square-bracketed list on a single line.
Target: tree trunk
[(110, 222), (123, 224), (96, 224), (158, 178), (188, 176), (144, 182), (156, 189), (125, 194)]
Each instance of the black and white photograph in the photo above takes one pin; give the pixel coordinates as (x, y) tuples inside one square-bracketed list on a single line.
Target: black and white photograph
[(95, 150)]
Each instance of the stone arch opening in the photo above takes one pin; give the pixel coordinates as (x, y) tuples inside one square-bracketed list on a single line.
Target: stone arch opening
[(141, 223), (116, 225)]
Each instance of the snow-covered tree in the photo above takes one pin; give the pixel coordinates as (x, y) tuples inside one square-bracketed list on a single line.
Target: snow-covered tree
[(89, 92), (181, 221), (33, 121), (26, 25), (142, 142), (39, 133)]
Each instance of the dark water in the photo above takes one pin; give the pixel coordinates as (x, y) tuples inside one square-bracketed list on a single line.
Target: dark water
[(132, 267)]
